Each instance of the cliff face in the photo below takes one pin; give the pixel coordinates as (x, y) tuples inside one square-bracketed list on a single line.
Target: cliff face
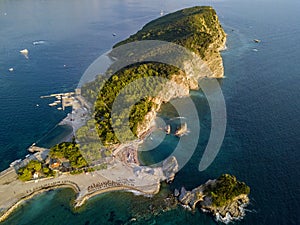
[(225, 198), (234, 209), (196, 29), (189, 39)]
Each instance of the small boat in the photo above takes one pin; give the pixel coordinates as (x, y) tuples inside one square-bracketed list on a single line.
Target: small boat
[(257, 40), (114, 34), (59, 108), (161, 12), (53, 104), (11, 69), (25, 53)]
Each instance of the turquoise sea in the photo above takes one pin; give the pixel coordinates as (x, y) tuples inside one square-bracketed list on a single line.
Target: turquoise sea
[(261, 89)]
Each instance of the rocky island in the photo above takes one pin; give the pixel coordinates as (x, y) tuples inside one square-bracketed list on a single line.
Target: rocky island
[(98, 160), (225, 198)]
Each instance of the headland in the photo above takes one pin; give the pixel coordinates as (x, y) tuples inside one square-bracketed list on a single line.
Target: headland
[(112, 165)]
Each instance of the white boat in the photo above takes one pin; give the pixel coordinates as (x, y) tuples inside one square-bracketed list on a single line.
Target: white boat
[(53, 104), (11, 69), (25, 53)]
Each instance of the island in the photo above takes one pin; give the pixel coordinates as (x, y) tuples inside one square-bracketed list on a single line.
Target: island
[(95, 160), (225, 198)]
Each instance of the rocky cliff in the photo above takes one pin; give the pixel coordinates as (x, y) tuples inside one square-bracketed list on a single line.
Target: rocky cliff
[(225, 198), (188, 40), (197, 30)]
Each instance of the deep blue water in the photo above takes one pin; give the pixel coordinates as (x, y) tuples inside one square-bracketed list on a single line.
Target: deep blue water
[(261, 89)]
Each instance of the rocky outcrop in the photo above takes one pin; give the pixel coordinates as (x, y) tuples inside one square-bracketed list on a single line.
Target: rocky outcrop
[(170, 168), (189, 39), (197, 31), (182, 130), (201, 196), (231, 211), (191, 198)]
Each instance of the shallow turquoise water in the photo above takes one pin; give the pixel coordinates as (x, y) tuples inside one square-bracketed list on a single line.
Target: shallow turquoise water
[(261, 91)]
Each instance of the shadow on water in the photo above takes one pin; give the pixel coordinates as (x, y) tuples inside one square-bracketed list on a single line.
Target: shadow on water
[(58, 134)]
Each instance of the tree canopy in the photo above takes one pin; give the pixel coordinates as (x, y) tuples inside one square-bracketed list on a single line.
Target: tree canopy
[(26, 173), (70, 151), (226, 189)]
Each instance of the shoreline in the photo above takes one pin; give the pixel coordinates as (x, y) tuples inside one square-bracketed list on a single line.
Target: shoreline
[(81, 202), (30, 196), (143, 179), (77, 202), (69, 121), (118, 177)]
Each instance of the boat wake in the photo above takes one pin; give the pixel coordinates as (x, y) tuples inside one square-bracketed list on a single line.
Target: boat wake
[(38, 42), (178, 117)]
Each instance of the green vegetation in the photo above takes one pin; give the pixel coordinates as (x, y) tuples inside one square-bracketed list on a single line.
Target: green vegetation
[(196, 29), (89, 141), (101, 167), (226, 189), (74, 172), (69, 151), (110, 90), (34, 166)]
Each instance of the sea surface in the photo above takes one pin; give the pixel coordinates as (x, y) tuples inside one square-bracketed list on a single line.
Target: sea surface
[(261, 89)]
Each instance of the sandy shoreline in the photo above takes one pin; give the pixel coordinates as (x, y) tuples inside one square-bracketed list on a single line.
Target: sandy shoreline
[(76, 203), (145, 180), (24, 199), (118, 177)]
